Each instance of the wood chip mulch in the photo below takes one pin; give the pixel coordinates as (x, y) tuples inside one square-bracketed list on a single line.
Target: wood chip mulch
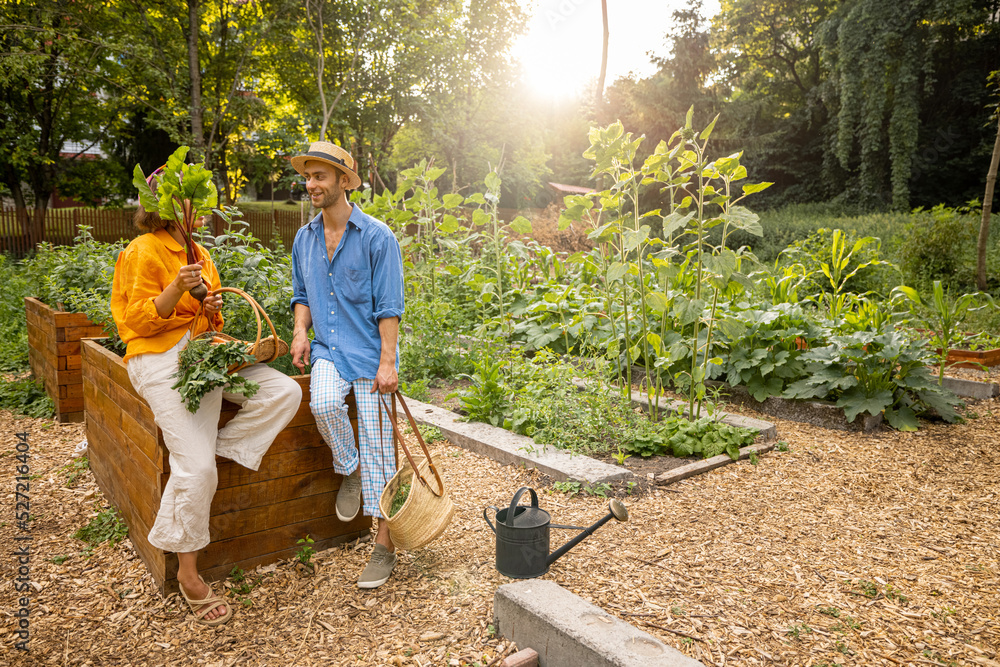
[(848, 549)]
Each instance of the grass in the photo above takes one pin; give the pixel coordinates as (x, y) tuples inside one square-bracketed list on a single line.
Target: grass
[(105, 527), (26, 397), (785, 226)]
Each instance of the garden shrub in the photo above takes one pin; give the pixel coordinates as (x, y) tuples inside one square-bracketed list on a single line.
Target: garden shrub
[(246, 263), (13, 328), (940, 244), (26, 397)]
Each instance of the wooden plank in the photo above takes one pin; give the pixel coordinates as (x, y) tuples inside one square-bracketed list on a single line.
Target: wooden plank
[(71, 347), (144, 441), (275, 490), (71, 361), (222, 571), (72, 390), (72, 417), (78, 332), (69, 377), (139, 484), (227, 552), (275, 466), (119, 375), (67, 319), (71, 405), (237, 522)]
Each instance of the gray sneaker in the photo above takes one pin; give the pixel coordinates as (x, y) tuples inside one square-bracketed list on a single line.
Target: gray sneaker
[(379, 568), (349, 497)]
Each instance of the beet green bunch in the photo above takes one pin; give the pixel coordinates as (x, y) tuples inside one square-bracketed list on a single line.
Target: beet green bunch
[(204, 366)]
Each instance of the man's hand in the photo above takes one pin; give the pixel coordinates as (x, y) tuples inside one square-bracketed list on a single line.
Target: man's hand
[(300, 351), (386, 381)]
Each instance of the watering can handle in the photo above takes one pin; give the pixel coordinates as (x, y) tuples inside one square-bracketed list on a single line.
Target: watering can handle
[(490, 523), (516, 498)]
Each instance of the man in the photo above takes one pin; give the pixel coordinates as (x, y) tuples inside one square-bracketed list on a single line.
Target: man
[(347, 279)]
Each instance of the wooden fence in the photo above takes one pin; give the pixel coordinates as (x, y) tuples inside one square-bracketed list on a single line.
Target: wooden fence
[(108, 225)]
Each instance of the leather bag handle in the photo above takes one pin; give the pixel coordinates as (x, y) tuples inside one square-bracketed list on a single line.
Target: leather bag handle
[(399, 438)]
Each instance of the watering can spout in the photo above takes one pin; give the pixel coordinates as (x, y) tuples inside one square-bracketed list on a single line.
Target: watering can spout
[(616, 510)]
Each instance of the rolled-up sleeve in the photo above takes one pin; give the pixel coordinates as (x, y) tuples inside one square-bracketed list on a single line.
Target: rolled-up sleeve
[(387, 278)]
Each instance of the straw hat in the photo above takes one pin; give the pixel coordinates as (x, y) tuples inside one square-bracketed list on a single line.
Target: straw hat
[(332, 154)]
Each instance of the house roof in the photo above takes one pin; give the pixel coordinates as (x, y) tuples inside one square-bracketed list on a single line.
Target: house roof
[(570, 189)]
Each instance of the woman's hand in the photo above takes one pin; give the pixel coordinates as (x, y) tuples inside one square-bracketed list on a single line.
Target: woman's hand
[(213, 303), (189, 276)]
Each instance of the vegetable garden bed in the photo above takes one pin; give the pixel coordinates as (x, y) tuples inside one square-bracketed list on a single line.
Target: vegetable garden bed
[(54, 354), (257, 517), (973, 358)]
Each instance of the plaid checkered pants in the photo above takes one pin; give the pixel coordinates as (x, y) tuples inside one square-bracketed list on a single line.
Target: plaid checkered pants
[(376, 456)]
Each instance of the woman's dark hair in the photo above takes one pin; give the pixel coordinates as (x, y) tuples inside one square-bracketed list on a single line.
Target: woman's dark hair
[(149, 221)]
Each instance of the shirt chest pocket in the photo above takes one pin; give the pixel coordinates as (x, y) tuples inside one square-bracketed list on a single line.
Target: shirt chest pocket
[(358, 287)]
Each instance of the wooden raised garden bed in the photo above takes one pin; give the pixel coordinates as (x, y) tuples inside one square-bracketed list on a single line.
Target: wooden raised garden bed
[(972, 358), (257, 517), (54, 354)]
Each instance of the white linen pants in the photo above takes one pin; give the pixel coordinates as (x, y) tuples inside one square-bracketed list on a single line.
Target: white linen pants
[(193, 440)]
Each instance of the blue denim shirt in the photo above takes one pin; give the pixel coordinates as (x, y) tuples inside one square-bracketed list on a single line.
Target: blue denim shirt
[(349, 295)]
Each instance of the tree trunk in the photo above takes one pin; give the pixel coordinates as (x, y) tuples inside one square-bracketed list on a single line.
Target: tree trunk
[(604, 57), (984, 225), (36, 233), (194, 70)]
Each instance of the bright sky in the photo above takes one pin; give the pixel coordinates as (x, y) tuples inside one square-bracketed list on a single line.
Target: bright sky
[(561, 51)]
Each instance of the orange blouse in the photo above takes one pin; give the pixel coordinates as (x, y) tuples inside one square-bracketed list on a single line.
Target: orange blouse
[(142, 272)]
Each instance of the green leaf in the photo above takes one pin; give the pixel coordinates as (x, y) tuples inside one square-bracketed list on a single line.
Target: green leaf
[(902, 419), (493, 181), (657, 302), (146, 197), (633, 239), (452, 200), (521, 225), (707, 132), (751, 188), (480, 217), (616, 271), (742, 218), (675, 221), (449, 223), (687, 311), (855, 402)]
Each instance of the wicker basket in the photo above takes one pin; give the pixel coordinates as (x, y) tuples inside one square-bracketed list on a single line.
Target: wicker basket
[(428, 508), (264, 350)]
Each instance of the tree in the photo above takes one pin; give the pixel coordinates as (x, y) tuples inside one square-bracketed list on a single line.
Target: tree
[(604, 54), (59, 83), (991, 179), (885, 81)]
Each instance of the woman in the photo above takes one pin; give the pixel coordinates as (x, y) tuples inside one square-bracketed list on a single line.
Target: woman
[(154, 314)]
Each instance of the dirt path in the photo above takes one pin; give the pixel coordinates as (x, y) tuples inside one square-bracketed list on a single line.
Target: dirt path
[(847, 549)]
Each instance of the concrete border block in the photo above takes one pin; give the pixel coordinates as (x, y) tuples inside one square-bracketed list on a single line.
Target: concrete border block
[(698, 467), (971, 388), (506, 447), (568, 631)]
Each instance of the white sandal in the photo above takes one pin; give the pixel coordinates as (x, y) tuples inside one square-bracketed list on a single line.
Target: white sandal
[(201, 607)]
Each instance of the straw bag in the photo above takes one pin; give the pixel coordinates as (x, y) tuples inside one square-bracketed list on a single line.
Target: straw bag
[(428, 507), (264, 350)]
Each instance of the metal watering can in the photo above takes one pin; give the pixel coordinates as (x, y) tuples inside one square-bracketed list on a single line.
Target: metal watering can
[(523, 535)]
